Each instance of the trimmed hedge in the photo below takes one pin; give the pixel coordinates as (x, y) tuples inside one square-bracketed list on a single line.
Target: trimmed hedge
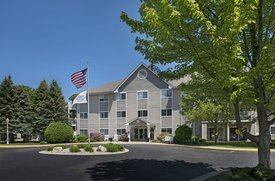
[(113, 147), (183, 134), (82, 138), (59, 132)]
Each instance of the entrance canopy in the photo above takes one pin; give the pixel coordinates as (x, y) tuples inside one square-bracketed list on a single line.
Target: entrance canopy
[(137, 122)]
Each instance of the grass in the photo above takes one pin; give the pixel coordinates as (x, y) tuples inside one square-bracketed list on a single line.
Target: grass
[(233, 144), (247, 173)]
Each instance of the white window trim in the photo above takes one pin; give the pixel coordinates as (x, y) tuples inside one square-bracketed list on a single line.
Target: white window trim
[(121, 111), (166, 113), (166, 129), (102, 112), (104, 100), (104, 129), (143, 98), (83, 113), (270, 130), (161, 96), (122, 100), (144, 110)]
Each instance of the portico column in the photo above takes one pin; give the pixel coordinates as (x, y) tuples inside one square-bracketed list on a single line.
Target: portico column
[(228, 132), (204, 131), (128, 129), (148, 132)]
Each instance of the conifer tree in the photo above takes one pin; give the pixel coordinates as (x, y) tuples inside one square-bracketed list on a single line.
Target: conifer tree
[(40, 110), (56, 104), (7, 102)]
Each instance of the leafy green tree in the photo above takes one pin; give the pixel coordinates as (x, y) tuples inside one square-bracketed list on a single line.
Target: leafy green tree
[(210, 113), (229, 43)]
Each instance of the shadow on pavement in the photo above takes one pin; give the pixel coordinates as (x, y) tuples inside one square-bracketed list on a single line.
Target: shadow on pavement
[(140, 169)]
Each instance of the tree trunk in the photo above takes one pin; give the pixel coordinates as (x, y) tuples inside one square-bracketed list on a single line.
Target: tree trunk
[(264, 133), (264, 137)]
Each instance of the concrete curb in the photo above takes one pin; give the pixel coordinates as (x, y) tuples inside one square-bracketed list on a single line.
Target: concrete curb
[(142, 143), (85, 154), (208, 175)]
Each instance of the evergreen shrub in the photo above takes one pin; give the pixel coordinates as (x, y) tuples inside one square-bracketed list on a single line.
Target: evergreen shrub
[(58, 132), (183, 134), (114, 147)]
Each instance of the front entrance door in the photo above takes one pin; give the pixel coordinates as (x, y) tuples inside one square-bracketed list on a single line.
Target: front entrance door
[(141, 134)]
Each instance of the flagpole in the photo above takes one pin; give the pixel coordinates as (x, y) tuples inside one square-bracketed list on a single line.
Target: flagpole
[(88, 100)]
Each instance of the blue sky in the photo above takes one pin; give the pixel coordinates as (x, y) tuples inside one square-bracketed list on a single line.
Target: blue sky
[(51, 39)]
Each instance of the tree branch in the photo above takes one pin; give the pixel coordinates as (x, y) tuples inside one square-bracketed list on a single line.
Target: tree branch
[(270, 97), (272, 121), (253, 138), (246, 47)]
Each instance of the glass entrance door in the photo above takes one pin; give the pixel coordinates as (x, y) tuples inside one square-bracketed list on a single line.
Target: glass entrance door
[(141, 134)]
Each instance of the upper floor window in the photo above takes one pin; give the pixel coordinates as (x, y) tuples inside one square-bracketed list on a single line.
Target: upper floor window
[(120, 96), (121, 114), (166, 93), (166, 112), (103, 98), (272, 130), (142, 113), (142, 94), (83, 115), (104, 115)]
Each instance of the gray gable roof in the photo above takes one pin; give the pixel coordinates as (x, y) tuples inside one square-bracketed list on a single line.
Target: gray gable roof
[(113, 86), (106, 88)]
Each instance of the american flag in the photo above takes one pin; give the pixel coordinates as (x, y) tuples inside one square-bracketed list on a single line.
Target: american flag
[(79, 78)]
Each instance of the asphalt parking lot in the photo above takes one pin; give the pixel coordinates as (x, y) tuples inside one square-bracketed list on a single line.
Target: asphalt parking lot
[(143, 162)]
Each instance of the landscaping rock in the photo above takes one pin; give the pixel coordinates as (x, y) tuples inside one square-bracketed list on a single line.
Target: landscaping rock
[(57, 149), (101, 149)]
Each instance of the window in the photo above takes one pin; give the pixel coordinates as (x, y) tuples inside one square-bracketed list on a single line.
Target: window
[(83, 131), (103, 98), (142, 74), (166, 93), (166, 112), (121, 131), (104, 115), (83, 115), (121, 114), (166, 130), (104, 131), (142, 113), (142, 94), (120, 96), (272, 130)]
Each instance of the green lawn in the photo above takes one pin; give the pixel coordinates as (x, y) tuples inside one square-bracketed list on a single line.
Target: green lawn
[(233, 144)]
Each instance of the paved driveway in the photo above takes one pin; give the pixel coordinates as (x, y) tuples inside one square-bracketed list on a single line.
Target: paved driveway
[(143, 162)]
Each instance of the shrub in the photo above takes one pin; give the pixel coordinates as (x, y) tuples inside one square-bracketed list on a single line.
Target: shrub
[(124, 137), (256, 173), (161, 137), (82, 138), (43, 142), (59, 132), (74, 149), (202, 140), (194, 139), (114, 147), (183, 134), (96, 137), (88, 148), (50, 148)]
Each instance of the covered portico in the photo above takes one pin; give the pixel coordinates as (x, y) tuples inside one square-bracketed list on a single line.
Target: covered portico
[(139, 130)]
